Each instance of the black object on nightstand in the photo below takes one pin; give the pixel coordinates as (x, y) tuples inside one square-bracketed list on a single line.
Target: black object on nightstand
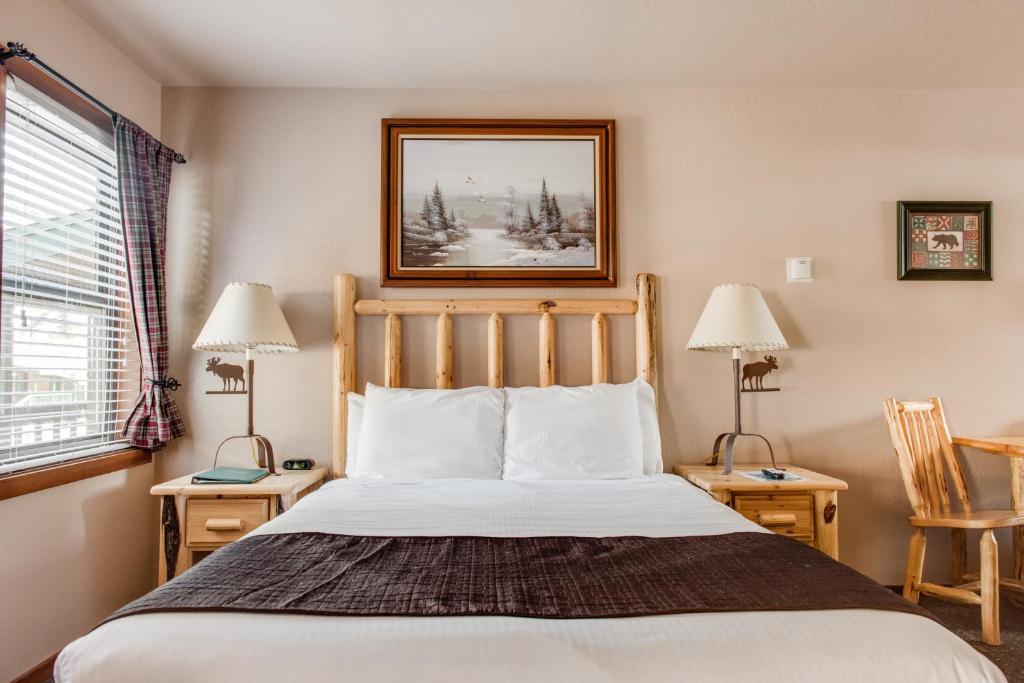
[(299, 464)]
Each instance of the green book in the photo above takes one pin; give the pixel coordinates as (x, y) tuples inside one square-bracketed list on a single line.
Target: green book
[(229, 475)]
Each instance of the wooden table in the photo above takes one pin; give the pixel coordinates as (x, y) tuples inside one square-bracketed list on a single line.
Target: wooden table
[(1013, 448), (199, 518), (806, 510)]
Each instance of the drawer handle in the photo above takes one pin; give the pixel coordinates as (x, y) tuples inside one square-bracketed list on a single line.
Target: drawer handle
[(224, 525), (776, 519)]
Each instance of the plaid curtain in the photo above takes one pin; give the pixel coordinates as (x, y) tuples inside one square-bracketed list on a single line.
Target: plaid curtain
[(144, 178)]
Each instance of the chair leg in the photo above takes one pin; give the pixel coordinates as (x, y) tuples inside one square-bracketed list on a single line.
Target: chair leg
[(915, 566), (958, 548), (989, 588)]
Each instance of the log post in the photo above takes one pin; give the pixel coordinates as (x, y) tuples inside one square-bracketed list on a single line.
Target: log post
[(495, 351), (343, 375), (444, 359), (546, 348), (647, 329), (599, 349), (392, 351)]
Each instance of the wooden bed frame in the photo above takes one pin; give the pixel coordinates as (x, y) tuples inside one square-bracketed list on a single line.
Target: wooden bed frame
[(347, 307)]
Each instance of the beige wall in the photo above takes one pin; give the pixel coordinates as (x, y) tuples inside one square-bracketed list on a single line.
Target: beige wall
[(282, 186), (71, 555)]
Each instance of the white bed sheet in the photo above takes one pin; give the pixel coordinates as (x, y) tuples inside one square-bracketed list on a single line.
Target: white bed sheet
[(812, 646)]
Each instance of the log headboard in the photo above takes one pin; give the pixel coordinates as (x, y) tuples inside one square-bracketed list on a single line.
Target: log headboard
[(347, 306)]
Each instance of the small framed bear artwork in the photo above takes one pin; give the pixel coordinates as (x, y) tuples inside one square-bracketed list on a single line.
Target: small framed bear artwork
[(945, 241)]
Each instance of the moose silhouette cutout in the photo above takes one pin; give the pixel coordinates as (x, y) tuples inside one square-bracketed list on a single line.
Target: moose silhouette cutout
[(946, 242), (754, 372), (232, 374)]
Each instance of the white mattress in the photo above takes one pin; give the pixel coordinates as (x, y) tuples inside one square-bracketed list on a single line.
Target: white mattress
[(812, 646)]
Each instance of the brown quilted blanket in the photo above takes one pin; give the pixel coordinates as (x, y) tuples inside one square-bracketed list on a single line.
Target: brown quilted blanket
[(549, 577)]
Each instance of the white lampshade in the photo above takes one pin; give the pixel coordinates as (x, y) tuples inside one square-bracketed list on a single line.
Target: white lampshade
[(736, 317), (246, 317)]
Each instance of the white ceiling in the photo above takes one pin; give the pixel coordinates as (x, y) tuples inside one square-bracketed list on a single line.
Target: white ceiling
[(570, 43)]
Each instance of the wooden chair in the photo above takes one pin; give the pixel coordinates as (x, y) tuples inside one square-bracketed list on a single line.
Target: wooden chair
[(924, 450)]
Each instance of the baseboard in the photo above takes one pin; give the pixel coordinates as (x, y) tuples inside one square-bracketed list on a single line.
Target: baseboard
[(41, 673)]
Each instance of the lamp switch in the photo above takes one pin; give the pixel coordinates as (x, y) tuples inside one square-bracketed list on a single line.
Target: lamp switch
[(798, 269)]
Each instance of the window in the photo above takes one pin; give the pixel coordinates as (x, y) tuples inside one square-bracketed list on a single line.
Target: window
[(69, 369)]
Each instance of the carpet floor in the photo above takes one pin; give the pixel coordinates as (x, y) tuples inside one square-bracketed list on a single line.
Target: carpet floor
[(965, 621)]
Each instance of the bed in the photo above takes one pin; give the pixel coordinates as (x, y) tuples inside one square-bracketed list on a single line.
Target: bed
[(734, 645)]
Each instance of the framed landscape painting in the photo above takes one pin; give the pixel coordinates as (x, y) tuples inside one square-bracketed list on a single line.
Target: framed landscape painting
[(945, 241), (497, 203)]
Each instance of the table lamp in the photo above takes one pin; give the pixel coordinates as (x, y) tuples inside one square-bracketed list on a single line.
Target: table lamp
[(736, 319), (248, 319)]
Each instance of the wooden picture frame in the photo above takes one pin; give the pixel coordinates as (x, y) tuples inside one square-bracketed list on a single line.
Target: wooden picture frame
[(944, 241), (498, 203)]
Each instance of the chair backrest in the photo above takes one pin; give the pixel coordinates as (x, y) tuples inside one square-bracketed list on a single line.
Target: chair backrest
[(924, 450)]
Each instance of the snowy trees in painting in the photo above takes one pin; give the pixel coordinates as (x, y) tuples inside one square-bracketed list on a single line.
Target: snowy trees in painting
[(548, 235), (552, 230), (544, 208), (510, 215), (529, 224), (549, 213), (435, 230)]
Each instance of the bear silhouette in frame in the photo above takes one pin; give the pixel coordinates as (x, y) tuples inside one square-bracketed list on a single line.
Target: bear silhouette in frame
[(947, 241)]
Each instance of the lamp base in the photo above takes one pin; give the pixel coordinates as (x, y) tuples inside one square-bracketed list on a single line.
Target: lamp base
[(730, 441), (264, 451), (730, 437)]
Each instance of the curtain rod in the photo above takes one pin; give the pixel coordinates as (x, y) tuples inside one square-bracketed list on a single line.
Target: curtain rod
[(19, 50)]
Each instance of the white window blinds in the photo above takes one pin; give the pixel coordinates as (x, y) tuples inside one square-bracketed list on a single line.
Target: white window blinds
[(69, 368)]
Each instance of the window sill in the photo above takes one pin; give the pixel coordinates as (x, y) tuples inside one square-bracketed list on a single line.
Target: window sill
[(38, 478)]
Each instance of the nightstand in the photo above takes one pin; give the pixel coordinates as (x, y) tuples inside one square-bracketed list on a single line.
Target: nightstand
[(805, 510), (196, 519)]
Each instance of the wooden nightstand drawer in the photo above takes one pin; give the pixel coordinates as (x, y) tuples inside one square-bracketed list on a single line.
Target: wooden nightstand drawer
[(803, 507), (196, 519), (223, 520), (788, 515)]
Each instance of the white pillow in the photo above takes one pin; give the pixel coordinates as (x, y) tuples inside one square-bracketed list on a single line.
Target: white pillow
[(356, 402), (589, 432), (646, 407), (649, 429), (431, 433)]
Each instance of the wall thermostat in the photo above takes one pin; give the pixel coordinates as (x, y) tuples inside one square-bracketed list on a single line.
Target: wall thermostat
[(798, 269)]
